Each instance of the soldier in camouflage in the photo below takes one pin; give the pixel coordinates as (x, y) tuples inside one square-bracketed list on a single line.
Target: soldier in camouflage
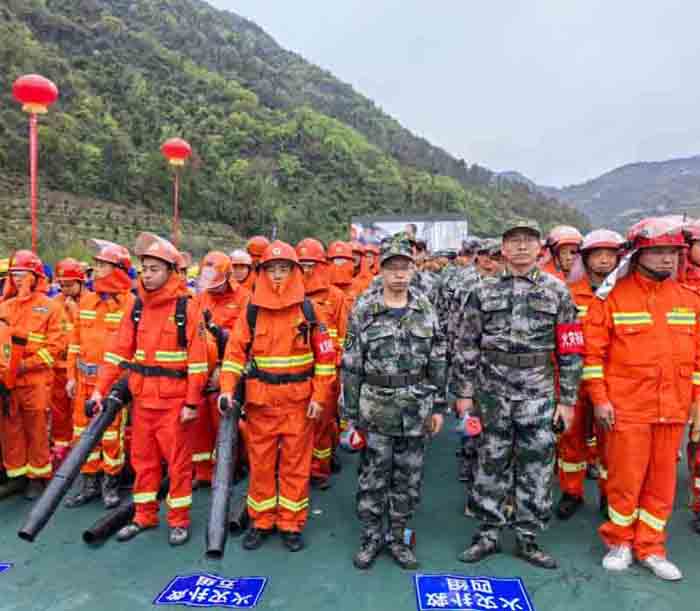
[(511, 328), (394, 377)]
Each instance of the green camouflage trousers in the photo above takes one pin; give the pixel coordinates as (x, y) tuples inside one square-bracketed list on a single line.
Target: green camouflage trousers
[(391, 474), (515, 466)]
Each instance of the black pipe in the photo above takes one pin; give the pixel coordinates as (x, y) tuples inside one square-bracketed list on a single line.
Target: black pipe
[(63, 479), (222, 485), (238, 516)]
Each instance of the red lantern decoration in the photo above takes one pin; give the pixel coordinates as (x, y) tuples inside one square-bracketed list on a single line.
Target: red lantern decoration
[(176, 151), (35, 92)]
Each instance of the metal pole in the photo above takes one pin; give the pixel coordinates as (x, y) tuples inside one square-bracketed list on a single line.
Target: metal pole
[(33, 168), (176, 211)]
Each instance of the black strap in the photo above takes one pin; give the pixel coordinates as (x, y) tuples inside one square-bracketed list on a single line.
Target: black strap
[(136, 312), (307, 307), (148, 371), (280, 378), (180, 318), (400, 380)]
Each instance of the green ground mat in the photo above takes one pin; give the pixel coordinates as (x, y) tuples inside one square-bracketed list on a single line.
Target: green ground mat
[(59, 572)]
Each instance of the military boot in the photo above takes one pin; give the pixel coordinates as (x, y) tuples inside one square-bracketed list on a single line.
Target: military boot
[(529, 551), (568, 505), (110, 491), (370, 547), (403, 555), (89, 490), (480, 548)]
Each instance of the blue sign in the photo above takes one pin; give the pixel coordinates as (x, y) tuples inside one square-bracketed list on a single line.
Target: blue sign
[(207, 590), (5, 566), (462, 593)]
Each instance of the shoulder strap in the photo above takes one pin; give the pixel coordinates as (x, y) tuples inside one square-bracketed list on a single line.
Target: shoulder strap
[(136, 313), (309, 313), (181, 321), (251, 315)]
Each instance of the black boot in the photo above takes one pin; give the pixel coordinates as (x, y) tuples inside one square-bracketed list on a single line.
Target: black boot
[(34, 489), (293, 541), (13, 485), (531, 552), (255, 537), (336, 465), (89, 491), (480, 548), (603, 506), (568, 505), (695, 524), (110, 491)]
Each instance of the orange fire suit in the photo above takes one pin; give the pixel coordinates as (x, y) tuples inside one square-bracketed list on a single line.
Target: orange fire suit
[(99, 317), (225, 309), (332, 307), (61, 406), (341, 276), (363, 279), (552, 268), (642, 354), (24, 433), (276, 410), (577, 447), (158, 399)]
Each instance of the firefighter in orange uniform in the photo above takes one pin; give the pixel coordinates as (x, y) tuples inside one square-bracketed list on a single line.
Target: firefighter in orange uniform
[(71, 278), (242, 269), (341, 259), (37, 329), (99, 316), (256, 248), (332, 307), (225, 300), (162, 344), (600, 253), (642, 372), (372, 255), (363, 273), (291, 374), (562, 245)]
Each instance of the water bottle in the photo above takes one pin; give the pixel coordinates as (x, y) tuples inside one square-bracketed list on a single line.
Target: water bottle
[(409, 538), (469, 426), (351, 440)]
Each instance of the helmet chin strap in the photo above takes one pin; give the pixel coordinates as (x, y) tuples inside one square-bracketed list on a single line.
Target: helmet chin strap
[(654, 275)]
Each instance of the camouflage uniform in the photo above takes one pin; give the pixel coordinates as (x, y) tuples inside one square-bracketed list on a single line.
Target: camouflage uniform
[(382, 343), (507, 318)]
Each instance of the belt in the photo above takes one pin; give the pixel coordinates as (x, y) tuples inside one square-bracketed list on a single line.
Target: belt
[(87, 369), (154, 371), (400, 380), (519, 361), (280, 378)]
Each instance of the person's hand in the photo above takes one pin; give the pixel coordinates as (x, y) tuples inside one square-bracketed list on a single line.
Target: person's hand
[(565, 413), (464, 406), (225, 402), (188, 414), (605, 415), (314, 410), (70, 388), (436, 422), (96, 400)]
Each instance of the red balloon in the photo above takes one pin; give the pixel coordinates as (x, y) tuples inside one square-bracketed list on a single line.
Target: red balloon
[(176, 150), (35, 91)]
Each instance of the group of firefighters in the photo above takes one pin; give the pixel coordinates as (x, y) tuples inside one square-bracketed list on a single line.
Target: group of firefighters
[(286, 312)]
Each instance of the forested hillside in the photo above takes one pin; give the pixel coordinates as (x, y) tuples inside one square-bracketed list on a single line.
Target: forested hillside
[(134, 72)]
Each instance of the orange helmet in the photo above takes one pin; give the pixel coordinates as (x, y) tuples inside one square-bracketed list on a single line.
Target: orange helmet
[(215, 270), (602, 238), (357, 247), (241, 257), (184, 260), (69, 269), (311, 250), (256, 246), (656, 231), (562, 235), (151, 245), (373, 248), (279, 251), (339, 250), (26, 261), (109, 252)]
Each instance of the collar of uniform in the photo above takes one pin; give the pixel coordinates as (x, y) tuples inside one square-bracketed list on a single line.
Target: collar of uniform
[(379, 307), (647, 284), (533, 275)]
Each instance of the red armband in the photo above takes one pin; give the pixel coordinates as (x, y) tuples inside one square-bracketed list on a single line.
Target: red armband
[(570, 338), (322, 345)]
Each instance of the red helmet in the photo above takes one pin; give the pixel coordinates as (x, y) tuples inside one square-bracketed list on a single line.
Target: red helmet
[(373, 248), (357, 247), (184, 260), (279, 251), (256, 246), (70, 269), (602, 238), (151, 245), (562, 235), (109, 252), (215, 270), (656, 231), (339, 250), (26, 261), (311, 250), (241, 257)]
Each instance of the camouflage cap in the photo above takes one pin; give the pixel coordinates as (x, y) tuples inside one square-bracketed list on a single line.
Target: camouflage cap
[(397, 245), (491, 246), (524, 224)]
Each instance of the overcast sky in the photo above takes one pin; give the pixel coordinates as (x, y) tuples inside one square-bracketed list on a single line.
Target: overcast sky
[(561, 90)]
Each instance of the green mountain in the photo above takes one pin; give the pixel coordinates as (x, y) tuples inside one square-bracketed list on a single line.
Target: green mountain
[(277, 140)]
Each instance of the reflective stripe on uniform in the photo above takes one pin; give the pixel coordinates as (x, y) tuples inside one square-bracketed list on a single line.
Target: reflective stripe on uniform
[(140, 355), (322, 454), (621, 519), (179, 502), (632, 318), (78, 431), (332, 332), (113, 359), (294, 506), (110, 436), (87, 314), (113, 462), (168, 356), (45, 470), (194, 368), (324, 370), (232, 367), (37, 338), (572, 467), (270, 503), (582, 311), (592, 372), (94, 456), (18, 472), (680, 318), (45, 356), (201, 456), (114, 317), (696, 378), (281, 362), (651, 520), (73, 348), (145, 497)]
